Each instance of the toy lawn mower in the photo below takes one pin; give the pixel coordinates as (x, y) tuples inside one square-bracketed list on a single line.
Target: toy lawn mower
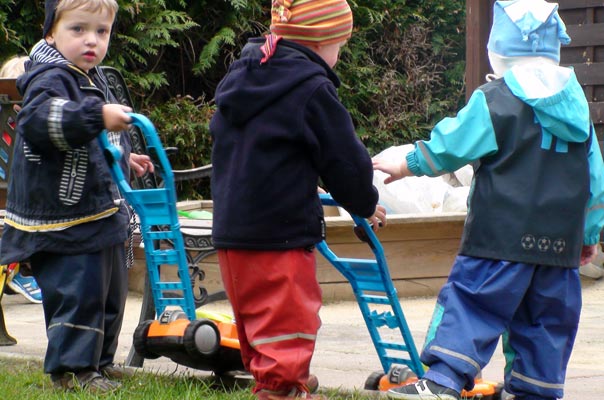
[(194, 338), (207, 343), (372, 285)]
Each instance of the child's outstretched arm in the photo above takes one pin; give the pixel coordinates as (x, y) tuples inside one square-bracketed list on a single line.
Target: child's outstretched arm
[(454, 142), (395, 171)]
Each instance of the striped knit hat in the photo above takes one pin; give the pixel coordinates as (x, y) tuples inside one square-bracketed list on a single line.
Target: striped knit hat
[(309, 22)]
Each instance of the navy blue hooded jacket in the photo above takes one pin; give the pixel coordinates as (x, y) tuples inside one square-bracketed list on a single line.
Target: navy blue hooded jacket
[(61, 196), (280, 127)]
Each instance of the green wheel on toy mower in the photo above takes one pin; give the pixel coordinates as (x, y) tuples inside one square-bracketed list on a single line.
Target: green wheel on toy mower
[(373, 381), (140, 340), (201, 337)]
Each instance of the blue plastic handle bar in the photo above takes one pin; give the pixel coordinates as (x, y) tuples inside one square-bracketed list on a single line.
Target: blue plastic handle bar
[(374, 242), (154, 146)]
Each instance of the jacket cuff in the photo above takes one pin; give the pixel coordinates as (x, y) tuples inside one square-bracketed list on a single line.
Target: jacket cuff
[(590, 240), (412, 164)]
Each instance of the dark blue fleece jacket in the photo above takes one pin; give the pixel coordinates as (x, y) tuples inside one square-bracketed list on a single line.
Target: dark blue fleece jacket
[(280, 127)]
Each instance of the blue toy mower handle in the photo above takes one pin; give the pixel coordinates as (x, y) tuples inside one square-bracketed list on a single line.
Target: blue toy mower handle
[(362, 229), (156, 208), (153, 144), (371, 283)]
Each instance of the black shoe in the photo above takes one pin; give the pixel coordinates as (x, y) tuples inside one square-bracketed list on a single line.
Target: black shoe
[(312, 384), (423, 390), (89, 381), (116, 372)]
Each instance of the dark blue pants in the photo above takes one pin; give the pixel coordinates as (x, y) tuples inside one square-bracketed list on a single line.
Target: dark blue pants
[(83, 298), (535, 308)]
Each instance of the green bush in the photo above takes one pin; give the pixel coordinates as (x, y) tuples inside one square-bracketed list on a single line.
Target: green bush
[(402, 71), (403, 68), (182, 122)]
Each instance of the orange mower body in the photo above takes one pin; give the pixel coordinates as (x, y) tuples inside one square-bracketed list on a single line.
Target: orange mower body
[(209, 343)]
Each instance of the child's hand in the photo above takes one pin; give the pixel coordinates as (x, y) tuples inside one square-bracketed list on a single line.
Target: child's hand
[(378, 219), (588, 253), (140, 164), (115, 117), (395, 170)]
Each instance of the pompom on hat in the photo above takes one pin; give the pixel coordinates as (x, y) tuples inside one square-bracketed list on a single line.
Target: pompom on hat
[(308, 22), (527, 28), (50, 7)]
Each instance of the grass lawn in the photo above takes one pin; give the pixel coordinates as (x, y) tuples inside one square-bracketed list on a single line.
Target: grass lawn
[(25, 380)]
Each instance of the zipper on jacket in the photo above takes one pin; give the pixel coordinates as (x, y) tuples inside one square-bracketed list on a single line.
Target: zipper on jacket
[(73, 174)]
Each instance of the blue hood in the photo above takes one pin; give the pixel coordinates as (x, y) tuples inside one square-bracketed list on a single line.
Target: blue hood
[(557, 98)]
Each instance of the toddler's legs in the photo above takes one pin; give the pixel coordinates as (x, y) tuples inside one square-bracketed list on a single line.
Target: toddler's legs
[(276, 299), (473, 309), (115, 277), (77, 300), (542, 334)]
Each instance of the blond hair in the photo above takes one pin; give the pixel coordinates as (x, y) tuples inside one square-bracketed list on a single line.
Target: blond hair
[(13, 67)]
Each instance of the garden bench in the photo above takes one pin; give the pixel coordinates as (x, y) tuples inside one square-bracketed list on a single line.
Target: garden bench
[(196, 233)]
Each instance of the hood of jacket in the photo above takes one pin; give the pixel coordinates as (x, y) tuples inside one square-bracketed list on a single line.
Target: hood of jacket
[(557, 98), (249, 87), (43, 57)]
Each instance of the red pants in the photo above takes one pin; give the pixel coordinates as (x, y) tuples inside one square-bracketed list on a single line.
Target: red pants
[(276, 300)]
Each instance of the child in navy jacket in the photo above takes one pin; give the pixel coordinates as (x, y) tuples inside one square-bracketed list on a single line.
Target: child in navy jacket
[(280, 127), (64, 213)]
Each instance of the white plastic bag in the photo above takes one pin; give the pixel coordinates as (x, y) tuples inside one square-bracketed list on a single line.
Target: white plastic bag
[(421, 194)]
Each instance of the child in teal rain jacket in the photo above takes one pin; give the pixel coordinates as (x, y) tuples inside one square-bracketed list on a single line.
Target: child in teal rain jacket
[(535, 212)]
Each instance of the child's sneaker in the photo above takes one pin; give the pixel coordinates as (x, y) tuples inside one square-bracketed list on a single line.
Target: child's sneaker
[(423, 390), (27, 286), (507, 396)]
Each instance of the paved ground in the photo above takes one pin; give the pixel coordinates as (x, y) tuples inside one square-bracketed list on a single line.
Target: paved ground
[(345, 356)]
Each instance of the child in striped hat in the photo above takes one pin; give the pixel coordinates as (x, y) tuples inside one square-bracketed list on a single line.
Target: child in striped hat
[(278, 128)]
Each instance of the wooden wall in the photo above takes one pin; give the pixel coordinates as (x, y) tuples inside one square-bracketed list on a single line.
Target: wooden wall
[(479, 17)]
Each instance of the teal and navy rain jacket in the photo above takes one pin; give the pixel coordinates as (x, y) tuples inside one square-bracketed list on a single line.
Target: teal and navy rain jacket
[(538, 190)]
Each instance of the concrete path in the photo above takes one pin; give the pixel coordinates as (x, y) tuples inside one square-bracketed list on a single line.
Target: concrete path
[(345, 356)]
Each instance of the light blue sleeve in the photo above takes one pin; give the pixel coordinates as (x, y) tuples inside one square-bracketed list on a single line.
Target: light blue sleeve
[(594, 218), (455, 142)]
